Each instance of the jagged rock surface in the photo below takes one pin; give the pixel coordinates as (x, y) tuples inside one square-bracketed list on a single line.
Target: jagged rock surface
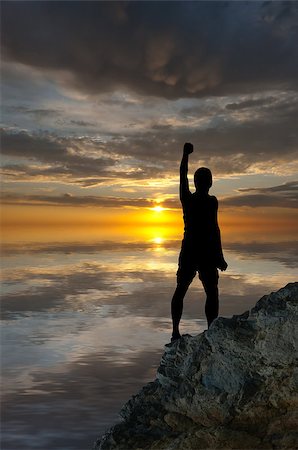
[(233, 386)]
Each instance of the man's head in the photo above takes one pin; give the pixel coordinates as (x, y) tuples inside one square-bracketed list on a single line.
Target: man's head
[(203, 179)]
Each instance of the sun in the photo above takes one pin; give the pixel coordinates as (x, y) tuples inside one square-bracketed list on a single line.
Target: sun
[(158, 209)]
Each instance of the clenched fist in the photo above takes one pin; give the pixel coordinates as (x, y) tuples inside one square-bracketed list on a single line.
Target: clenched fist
[(188, 148), (222, 264)]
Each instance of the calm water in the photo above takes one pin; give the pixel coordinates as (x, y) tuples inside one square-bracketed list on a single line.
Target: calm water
[(84, 325)]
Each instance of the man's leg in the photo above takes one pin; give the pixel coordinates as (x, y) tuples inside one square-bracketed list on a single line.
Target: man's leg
[(183, 282), (209, 278)]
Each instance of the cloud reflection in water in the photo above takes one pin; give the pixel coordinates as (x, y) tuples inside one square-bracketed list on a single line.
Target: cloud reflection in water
[(84, 327)]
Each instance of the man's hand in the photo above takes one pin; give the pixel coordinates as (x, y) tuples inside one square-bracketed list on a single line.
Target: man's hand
[(222, 264), (188, 148)]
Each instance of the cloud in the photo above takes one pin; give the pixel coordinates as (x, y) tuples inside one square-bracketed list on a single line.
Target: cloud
[(8, 198), (141, 158), (60, 157), (83, 175), (228, 141), (234, 146), (283, 196), (261, 137), (251, 103), (82, 161), (82, 123), (36, 113), (290, 187), (50, 149), (172, 50)]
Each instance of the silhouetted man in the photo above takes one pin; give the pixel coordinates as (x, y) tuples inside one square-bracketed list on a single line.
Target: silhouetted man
[(201, 246)]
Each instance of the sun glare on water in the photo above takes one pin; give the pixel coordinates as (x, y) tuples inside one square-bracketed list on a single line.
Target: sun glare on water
[(158, 240)]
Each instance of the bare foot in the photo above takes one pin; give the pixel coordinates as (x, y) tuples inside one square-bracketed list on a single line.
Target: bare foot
[(175, 336)]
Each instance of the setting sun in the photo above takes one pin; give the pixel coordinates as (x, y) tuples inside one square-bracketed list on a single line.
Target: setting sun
[(158, 209)]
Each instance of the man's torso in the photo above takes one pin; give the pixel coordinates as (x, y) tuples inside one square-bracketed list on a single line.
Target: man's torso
[(199, 242)]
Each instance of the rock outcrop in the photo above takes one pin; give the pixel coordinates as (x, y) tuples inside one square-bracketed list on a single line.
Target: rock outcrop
[(233, 386)]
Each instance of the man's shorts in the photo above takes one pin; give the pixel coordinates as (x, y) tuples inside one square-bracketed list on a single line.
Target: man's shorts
[(189, 265)]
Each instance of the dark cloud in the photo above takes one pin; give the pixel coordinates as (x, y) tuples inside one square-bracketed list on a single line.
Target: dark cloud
[(257, 201), (283, 196), (37, 113), (67, 158), (83, 175), (44, 113), (291, 187), (229, 149), (86, 200), (250, 103), (25, 145), (48, 148), (62, 157), (228, 144), (82, 123), (168, 49), (19, 172)]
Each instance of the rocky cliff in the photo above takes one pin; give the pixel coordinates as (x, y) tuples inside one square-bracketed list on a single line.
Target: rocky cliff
[(233, 386)]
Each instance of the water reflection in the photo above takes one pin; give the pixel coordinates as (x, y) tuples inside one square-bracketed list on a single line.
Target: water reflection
[(84, 325)]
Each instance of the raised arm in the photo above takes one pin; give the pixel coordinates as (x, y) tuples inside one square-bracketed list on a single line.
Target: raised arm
[(184, 187)]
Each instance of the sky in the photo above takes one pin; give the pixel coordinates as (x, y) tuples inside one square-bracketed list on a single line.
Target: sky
[(98, 99)]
